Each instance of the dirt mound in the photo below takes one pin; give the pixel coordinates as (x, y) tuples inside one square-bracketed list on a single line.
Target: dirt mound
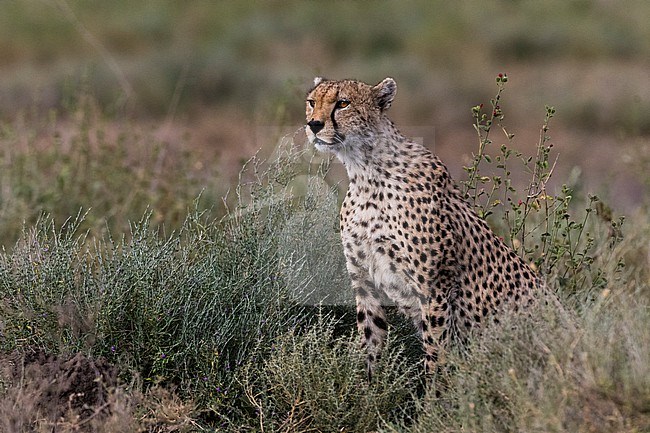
[(56, 386)]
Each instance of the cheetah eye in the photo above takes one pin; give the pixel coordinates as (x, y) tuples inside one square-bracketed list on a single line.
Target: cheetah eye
[(311, 102), (342, 103)]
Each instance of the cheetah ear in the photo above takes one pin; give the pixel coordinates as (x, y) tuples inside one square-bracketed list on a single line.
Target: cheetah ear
[(384, 93), (318, 80)]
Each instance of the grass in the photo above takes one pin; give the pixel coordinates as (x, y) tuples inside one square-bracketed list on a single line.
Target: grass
[(118, 170), (193, 318), (153, 59), (546, 375)]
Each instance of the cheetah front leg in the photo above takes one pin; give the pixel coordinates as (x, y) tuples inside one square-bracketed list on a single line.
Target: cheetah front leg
[(436, 317), (371, 321)]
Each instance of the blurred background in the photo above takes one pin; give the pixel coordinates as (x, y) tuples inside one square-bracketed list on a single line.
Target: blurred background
[(124, 106)]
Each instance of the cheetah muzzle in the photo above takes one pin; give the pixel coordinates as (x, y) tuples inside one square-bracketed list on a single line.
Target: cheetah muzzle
[(408, 235)]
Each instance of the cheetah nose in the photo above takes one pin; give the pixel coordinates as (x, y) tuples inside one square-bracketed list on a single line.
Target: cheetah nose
[(315, 125)]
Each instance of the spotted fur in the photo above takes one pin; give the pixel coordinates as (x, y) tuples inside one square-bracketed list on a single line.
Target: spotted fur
[(409, 236)]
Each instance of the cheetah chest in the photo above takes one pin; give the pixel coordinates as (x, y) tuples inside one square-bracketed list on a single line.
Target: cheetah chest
[(367, 241)]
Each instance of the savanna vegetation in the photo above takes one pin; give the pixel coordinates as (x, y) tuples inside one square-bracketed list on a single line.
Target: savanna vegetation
[(153, 280)]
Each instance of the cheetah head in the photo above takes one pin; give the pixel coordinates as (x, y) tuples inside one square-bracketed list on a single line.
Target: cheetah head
[(344, 115)]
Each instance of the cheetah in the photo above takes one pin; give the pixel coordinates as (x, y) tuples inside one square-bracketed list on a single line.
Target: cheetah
[(409, 236)]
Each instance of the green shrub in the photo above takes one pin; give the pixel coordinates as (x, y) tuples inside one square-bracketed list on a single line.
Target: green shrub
[(314, 381), (549, 229)]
